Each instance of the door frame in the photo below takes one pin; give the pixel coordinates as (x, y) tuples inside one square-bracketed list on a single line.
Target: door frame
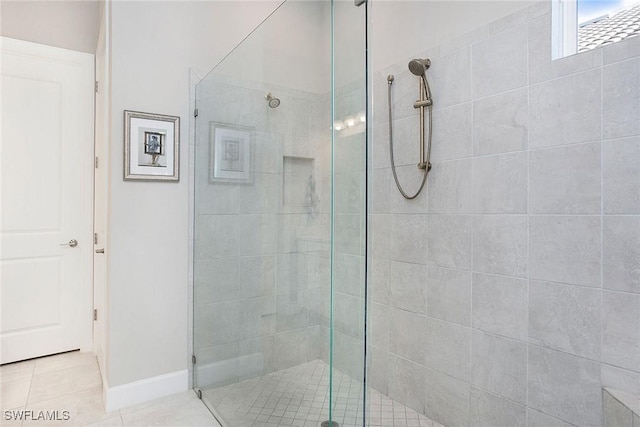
[(101, 192), (81, 59)]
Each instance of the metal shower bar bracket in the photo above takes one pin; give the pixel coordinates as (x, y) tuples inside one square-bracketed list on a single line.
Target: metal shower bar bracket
[(359, 2)]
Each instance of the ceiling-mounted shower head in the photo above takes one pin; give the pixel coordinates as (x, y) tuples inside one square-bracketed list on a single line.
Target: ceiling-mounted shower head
[(419, 67), (273, 101)]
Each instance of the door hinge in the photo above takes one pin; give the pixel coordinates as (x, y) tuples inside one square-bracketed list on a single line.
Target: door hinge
[(96, 163), (95, 238), (97, 86), (193, 359), (195, 113), (199, 392), (95, 314)]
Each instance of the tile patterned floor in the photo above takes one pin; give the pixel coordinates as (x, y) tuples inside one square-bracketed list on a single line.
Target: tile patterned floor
[(299, 396), (71, 382)]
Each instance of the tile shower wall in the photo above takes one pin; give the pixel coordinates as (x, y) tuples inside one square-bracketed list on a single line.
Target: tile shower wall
[(508, 293), (261, 249)]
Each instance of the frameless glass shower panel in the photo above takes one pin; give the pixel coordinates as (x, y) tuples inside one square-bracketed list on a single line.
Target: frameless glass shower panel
[(349, 171), (262, 223)]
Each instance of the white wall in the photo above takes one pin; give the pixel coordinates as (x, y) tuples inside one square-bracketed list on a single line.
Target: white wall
[(71, 25), (153, 46)]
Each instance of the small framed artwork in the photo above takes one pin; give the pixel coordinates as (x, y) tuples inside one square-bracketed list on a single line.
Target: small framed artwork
[(230, 154), (151, 147)]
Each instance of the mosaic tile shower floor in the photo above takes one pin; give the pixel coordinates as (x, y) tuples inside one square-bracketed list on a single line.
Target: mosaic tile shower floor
[(298, 396)]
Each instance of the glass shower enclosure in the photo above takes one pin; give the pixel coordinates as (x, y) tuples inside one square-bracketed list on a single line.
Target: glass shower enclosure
[(280, 222)]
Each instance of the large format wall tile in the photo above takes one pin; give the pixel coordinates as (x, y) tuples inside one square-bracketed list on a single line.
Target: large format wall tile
[(410, 179), (620, 379), (453, 135), (379, 325), (542, 67), (499, 365), (407, 382), (565, 386), (490, 410), (225, 243), (348, 273), (257, 234), (500, 62), (565, 180), (449, 240), (621, 176), (216, 324), (621, 99), (449, 295), (348, 315), (565, 249), (379, 190), (405, 336), (257, 277), (539, 419), (257, 317), (379, 149), (447, 348), (450, 187), (500, 244), (446, 399), (407, 240), (566, 318), (215, 280), (565, 110), (291, 273), (500, 184), (263, 196), (500, 123), (378, 372), (406, 137), (381, 233), (291, 310), (621, 330), (379, 280), (626, 49), (407, 284), (451, 75), (500, 305), (621, 253)]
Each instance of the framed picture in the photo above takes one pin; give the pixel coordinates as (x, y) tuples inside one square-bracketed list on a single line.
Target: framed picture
[(230, 153), (151, 147)]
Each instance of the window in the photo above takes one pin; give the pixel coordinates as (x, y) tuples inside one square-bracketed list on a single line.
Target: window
[(581, 25)]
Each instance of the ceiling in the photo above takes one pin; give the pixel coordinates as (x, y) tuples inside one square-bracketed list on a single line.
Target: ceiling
[(69, 24)]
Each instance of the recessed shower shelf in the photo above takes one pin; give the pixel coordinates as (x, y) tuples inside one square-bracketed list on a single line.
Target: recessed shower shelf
[(297, 181)]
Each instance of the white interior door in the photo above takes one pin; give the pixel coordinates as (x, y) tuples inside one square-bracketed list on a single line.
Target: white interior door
[(46, 157)]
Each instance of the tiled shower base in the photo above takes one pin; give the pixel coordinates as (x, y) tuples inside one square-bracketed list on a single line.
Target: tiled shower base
[(298, 396)]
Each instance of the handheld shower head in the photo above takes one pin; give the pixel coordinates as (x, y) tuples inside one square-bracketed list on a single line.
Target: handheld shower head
[(419, 67)]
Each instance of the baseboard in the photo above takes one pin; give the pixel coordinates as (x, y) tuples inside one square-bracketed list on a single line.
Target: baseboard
[(145, 390)]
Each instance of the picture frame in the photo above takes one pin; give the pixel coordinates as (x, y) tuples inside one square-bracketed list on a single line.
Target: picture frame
[(151, 147), (230, 154)]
